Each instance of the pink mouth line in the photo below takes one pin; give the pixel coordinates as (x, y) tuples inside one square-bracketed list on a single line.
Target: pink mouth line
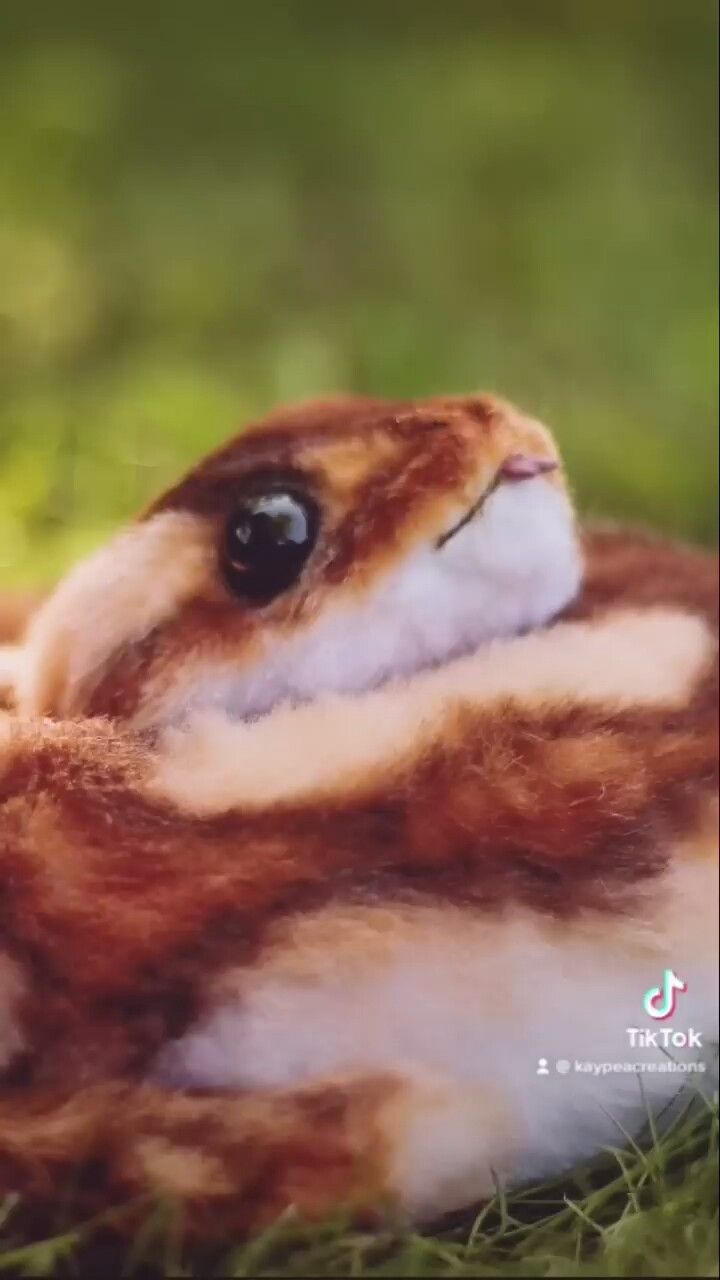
[(521, 466)]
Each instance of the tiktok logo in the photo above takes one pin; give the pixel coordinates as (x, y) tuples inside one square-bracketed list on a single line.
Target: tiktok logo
[(660, 1002)]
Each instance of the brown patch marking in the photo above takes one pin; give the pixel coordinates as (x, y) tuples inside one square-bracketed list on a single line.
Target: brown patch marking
[(317, 1148), (386, 476), (495, 812)]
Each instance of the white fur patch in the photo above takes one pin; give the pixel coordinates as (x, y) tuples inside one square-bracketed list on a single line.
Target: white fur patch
[(626, 659), (514, 566), (466, 1007), (442, 1142), (115, 597)]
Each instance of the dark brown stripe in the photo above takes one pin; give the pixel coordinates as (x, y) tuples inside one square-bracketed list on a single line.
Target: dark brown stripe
[(156, 902)]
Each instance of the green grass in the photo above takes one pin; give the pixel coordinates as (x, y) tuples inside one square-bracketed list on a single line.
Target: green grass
[(643, 1210), (206, 212), (204, 215)]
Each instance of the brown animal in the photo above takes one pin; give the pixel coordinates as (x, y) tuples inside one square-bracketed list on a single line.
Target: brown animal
[(344, 787)]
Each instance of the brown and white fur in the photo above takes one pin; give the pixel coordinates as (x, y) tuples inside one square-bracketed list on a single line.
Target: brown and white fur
[(293, 897)]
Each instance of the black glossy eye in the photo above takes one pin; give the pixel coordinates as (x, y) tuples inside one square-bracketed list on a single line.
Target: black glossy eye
[(268, 538)]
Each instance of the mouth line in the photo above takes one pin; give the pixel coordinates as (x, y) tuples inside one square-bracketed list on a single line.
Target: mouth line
[(471, 512), (241, 703), (515, 468)]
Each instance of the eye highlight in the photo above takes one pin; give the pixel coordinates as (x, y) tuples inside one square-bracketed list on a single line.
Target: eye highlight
[(267, 540)]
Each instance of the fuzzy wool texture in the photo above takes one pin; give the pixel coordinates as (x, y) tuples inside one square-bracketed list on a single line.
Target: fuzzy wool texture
[(336, 994)]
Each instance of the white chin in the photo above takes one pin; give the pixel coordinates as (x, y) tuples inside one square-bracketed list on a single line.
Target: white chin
[(512, 568)]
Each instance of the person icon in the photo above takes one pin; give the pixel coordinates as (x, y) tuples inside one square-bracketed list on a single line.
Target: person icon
[(542, 1067)]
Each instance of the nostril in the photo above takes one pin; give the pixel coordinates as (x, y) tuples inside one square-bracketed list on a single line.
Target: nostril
[(522, 466)]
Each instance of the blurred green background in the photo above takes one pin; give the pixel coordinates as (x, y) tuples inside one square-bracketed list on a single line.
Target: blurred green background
[(209, 209)]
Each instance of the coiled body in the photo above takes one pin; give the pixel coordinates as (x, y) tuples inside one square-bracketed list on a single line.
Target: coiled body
[(317, 956)]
